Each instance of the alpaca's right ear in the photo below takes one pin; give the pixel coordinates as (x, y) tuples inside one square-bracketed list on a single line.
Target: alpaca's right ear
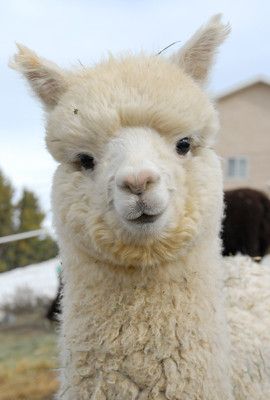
[(46, 79), (197, 55)]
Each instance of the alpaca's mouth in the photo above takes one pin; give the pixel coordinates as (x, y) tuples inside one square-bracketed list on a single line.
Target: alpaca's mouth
[(145, 219)]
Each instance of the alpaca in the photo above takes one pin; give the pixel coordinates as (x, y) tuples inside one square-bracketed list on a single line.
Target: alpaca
[(54, 308), (137, 203), (246, 226)]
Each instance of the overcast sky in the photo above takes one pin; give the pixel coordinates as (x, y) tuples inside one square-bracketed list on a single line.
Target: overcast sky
[(85, 30)]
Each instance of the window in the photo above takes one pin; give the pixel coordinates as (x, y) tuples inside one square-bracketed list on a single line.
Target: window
[(237, 168)]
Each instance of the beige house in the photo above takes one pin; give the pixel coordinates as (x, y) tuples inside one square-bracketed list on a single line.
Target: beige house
[(244, 141)]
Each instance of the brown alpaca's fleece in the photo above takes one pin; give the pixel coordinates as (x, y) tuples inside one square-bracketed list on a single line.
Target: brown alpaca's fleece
[(246, 225)]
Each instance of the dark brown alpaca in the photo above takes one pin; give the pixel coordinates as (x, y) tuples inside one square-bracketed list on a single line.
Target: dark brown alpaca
[(246, 225), (55, 307)]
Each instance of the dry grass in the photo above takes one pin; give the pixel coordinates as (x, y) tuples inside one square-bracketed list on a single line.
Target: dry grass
[(27, 363)]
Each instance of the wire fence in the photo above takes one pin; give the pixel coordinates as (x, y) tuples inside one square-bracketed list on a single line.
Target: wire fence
[(23, 235)]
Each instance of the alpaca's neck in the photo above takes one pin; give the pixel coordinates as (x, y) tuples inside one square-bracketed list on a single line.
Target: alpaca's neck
[(201, 265), (141, 328)]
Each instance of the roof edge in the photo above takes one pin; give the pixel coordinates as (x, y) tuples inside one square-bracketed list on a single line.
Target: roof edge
[(242, 85)]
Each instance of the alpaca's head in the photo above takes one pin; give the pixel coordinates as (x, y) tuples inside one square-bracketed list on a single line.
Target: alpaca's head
[(138, 181)]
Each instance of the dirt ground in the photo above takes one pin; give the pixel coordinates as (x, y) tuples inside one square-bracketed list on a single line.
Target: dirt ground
[(28, 359)]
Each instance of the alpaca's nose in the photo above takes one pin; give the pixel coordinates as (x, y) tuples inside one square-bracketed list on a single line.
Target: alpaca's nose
[(138, 183)]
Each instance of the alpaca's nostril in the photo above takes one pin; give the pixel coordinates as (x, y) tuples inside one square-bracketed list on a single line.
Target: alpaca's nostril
[(138, 183), (133, 186)]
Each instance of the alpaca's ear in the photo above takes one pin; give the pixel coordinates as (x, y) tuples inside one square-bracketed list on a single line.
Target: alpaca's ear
[(46, 79), (198, 54)]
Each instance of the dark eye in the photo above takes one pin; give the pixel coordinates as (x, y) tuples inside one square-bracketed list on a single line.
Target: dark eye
[(183, 146), (86, 161)]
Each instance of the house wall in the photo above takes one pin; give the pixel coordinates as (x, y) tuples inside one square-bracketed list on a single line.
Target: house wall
[(245, 131)]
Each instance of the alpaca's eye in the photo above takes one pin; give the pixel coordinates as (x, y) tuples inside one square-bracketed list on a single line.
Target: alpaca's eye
[(183, 145), (86, 161)]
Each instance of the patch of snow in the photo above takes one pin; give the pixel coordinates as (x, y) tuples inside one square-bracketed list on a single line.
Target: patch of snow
[(40, 279)]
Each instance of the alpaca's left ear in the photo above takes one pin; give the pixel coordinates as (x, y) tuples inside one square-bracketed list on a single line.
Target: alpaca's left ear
[(197, 55), (47, 80)]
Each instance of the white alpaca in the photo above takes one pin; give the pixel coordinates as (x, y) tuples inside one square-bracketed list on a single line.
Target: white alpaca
[(137, 202)]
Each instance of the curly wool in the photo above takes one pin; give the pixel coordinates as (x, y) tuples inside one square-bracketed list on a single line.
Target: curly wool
[(247, 293)]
